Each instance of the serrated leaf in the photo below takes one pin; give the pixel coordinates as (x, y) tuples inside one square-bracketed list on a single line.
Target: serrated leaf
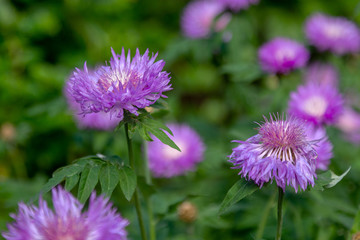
[(109, 178), (71, 181), (60, 174), (328, 179), (157, 129), (238, 191), (88, 180), (127, 181)]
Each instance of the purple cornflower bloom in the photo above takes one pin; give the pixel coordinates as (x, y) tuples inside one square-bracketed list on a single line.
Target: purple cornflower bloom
[(167, 162), (99, 222), (98, 121), (125, 85), (323, 74), (316, 103), (282, 55), (322, 146), (349, 123), (336, 34), (280, 151), (237, 5), (198, 18)]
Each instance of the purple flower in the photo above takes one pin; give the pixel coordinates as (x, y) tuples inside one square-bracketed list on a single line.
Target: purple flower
[(319, 104), (280, 151), (198, 18), (322, 146), (100, 120), (282, 55), (167, 162), (324, 74), (125, 85), (336, 34), (349, 123), (237, 5), (99, 222)]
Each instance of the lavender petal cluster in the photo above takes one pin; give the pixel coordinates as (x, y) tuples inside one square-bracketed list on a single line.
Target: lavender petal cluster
[(167, 162), (68, 220), (335, 34), (349, 123), (322, 74), (237, 5), (126, 84), (198, 18), (281, 151), (282, 55)]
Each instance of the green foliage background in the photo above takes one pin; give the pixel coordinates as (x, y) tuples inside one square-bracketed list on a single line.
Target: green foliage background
[(218, 89)]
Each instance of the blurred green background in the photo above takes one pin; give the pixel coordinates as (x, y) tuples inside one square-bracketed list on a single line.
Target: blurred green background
[(219, 90)]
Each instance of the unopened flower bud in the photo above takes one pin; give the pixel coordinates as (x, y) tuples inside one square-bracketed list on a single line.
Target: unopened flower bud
[(8, 132), (356, 236), (187, 212)]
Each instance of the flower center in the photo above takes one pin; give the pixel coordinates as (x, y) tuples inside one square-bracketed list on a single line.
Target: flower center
[(315, 106), (112, 80), (171, 154), (284, 54), (333, 31)]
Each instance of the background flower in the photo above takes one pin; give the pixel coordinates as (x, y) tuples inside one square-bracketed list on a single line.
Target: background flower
[(323, 74), (281, 55), (237, 5), (336, 34), (99, 222), (165, 161)]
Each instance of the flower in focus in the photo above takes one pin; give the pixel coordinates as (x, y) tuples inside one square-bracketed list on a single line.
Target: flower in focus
[(349, 123), (125, 85), (319, 104), (336, 34), (280, 151), (198, 18), (167, 162), (100, 120), (323, 74), (237, 5), (99, 222), (322, 146), (282, 55)]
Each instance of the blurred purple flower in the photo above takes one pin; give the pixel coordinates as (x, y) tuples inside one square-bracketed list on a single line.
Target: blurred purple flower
[(198, 18), (99, 222), (349, 123), (319, 104), (237, 5), (167, 162), (324, 74), (282, 55), (127, 84), (336, 34), (322, 146), (280, 151)]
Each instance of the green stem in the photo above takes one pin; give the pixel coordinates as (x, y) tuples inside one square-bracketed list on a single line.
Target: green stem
[(136, 193), (279, 213), (262, 224)]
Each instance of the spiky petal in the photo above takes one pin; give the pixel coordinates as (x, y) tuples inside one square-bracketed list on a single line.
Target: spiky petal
[(67, 221), (280, 152), (126, 84)]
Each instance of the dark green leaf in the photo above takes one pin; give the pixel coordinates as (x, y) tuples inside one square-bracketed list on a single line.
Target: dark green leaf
[(127, 181), (328, 179), (60, 174), (88, 180), (70, 182), (238, 191), (109, 178)]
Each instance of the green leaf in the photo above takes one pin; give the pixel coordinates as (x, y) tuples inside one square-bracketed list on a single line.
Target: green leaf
[(71, 181), (127, 181), (60, 174), (238, 191), (109, 178), (88, 180), (328, 179), (157, 129)]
